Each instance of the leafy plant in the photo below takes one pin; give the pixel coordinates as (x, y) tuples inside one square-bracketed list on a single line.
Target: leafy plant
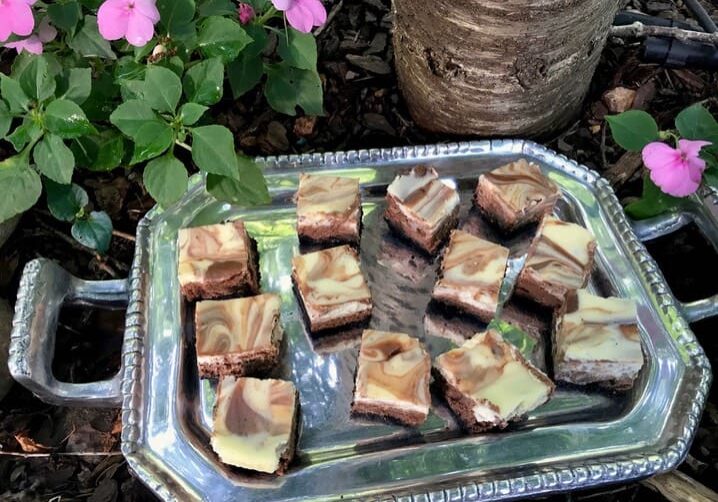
[(674, 173), (103, 96)]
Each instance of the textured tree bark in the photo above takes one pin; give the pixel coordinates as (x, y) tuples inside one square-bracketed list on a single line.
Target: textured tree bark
[(498, 67)]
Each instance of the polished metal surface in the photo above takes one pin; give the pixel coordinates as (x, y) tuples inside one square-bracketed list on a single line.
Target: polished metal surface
[(581, 438)]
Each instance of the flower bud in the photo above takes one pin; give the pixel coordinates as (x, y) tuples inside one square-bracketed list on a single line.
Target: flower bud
[(245, 12)]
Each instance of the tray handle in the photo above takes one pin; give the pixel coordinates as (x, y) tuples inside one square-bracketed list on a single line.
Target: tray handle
[(703, 211), (44, 288)]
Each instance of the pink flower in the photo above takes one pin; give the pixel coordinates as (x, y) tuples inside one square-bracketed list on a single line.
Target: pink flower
[(16, 17), (245, 12), (677, 171), (132, 19), (302, 14), (33, 44)]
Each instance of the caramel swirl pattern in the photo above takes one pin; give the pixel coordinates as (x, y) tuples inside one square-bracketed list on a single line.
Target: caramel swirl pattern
[(471, 261), (253, 421), (600, 329), (522, 184), (561, 253), (330, 277), (423, 194), (393, 367), (486, 368), (327, 195), (238, 325), (211, 251)]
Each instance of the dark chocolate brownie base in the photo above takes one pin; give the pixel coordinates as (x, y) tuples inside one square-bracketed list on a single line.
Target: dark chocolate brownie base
[(392, 414), (427, 242), (244, 284), (462, 406), (346, 322), (484, 314), (320, 238), (288, 454), (254, 363)]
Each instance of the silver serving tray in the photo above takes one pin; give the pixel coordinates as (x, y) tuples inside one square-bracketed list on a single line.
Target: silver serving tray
[(581, 438)]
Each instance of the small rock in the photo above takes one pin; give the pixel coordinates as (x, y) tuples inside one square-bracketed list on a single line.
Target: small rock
[(372, 64), (378, 44), (350, 75), (369, 17), (275, 140), (619, 99), (377, 122), (656, 7), (304, 126), (6, 380)]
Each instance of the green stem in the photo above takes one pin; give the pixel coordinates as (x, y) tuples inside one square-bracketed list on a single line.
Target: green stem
[(271, 12), (183, 145)]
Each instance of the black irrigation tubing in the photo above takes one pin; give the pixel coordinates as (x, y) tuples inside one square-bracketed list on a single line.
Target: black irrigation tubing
[(701, 15)]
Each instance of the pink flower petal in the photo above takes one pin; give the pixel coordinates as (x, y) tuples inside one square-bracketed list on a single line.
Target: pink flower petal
[(657, 155), (148, 9), (300, 18), (32, 44), (140, 30), (20, 17), (5, 29), (112, 19), (675, 181), (282, 4), (691, 148), (319, 13), (46, 32)]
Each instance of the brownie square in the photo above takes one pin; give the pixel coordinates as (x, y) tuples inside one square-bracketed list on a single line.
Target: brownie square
[(487, 382), (471, 274), (392, 379), (217, 261), (597, 340), (516, 194), (422, 208), (328, 209), (255, 423), (331, 287), (559, 260), (238, 337)]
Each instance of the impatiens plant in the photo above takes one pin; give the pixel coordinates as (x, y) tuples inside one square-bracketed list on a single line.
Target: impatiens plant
[(99, 85), (678, 160)]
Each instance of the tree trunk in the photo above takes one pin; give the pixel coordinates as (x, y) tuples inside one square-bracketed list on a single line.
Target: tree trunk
[(498, 67)]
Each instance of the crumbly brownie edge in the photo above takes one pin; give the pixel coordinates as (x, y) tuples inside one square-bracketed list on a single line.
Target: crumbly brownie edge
[(421, 236), (530, 285), (443, 295), (253, 363), (288, 454), (233, 285), (393, 413), (488, 201)]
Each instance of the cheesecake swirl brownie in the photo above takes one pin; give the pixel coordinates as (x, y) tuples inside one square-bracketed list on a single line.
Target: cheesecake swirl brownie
[(217, 261), (422, 208), (515, 195), (487, 382), (238, 337), (472, 271), (328, 209), (255, 423), (559, 260), (331, 287), (392, 380), (597, 340)]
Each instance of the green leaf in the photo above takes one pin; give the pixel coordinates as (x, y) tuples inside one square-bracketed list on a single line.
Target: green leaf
[(289, 87), (176, 15), (213, 150), (244, 73), (652, 202), (191, 113), (89, 43), (163, 89), (203, 83), (129, 117), (633, 129), (222, 37), (153, 139), (66, 119), (22, 60), (94, 231), (174, 63), (129, 69), (65, 202), (99, 152), (75, 84), (54, 159), (251, 190), (166, 179), (5, 119), (36, 81), (102, 98), (696, 122), (710, 176), (259, 39), (299, 49), (217, 8), (21, 184), (13, 94), (65, 15), (27, 132), (514, 336)]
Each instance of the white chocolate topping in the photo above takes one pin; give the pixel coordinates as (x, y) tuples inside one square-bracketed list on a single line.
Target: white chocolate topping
[(424, 195), (320, 194)]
